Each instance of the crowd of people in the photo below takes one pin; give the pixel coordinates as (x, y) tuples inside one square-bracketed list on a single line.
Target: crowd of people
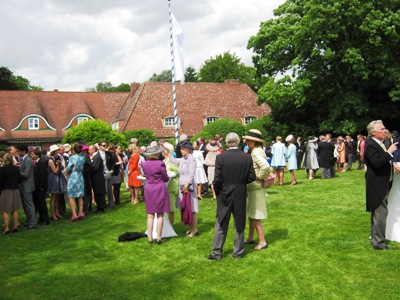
[(173, 179)]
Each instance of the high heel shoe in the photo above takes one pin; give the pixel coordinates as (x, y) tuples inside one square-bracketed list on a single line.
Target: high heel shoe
[(150, 242), (74, 219), (199, 197), (15, 230), (159, 242), (192, 235), (263, 247), (6, 232)]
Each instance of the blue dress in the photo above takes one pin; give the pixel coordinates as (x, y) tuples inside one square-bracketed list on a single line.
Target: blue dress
[(291, 157), (76, 184)]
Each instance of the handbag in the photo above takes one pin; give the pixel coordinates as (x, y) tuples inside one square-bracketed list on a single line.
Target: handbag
[(190, 188), (268, 180)]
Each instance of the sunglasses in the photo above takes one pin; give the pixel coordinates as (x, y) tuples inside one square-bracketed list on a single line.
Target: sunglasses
[(103, 145)]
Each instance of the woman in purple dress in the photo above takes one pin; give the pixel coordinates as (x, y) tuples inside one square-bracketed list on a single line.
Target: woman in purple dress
[(156, 193)]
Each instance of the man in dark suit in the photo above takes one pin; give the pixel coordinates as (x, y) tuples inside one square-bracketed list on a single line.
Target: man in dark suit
[(299, 151), (27, 185), (109, 160), (97, 175), (40, 176), (233, 171), (378, 180)]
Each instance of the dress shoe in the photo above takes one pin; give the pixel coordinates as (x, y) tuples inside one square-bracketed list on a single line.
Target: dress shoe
[(99, 211), (237, 257), (44, 223), (263, 247), (212, 257), (32, 227), (250, 242), (380, 248)]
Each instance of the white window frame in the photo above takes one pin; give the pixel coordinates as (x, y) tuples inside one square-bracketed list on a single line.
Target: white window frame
[(169, 122), (249, 119), (211, 119), (82, 119), (33, 123)]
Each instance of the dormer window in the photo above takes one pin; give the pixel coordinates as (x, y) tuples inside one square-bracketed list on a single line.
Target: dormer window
[(249, 119), (211, 119), (82, 119), (33, 123)]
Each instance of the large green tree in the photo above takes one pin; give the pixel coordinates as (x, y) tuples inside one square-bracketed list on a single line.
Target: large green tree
[(331, 67), (227, 66), (92, 132)]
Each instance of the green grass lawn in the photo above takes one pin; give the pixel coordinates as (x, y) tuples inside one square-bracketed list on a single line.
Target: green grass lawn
[(317, 233)]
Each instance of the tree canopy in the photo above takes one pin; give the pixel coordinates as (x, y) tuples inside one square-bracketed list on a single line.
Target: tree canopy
[(8, 81), (331, 67), (92, 132), (227, 66), (108, 87)]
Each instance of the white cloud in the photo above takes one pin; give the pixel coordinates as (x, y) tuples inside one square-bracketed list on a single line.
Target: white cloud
[(72, 45)]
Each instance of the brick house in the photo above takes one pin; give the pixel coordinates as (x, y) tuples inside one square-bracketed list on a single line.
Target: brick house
[(40, 119), (151, 106)]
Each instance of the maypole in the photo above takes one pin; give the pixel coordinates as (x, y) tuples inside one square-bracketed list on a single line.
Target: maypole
[(176, 39)]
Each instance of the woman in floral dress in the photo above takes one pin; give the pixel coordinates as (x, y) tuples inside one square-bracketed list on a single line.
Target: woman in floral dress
[(76, 185)]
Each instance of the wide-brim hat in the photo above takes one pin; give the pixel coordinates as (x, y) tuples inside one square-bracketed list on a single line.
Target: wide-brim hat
[(212, 146), (169, 147), (67, 147), (153, 150), (289, 138), (187, 145), (254, 135), (312, 139), (53, 148)]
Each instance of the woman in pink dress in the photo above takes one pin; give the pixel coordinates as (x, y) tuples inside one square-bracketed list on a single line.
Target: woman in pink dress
[(156, 193)]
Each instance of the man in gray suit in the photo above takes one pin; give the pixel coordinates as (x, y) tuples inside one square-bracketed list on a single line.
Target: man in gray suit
[(27, 185), (233, 171)]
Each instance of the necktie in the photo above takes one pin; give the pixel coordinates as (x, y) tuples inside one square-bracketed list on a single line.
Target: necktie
[(383, 146)]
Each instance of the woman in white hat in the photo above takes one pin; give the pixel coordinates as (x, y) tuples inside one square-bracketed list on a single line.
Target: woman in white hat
[(57, 183), (256, 207), (291, 158)]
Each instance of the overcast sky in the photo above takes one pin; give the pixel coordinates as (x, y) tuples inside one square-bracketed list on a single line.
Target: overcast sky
[(72, 45)]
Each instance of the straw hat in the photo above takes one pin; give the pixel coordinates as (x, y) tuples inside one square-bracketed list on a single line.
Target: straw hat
[(254, 135), (53, 148), (169, 147), (67, 147), (153, 150), (289, 138)]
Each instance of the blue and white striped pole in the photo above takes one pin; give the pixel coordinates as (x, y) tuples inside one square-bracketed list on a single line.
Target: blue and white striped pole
[(171, 35)]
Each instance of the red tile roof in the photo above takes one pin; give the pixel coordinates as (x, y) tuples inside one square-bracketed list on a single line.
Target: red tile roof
[(58, 108)]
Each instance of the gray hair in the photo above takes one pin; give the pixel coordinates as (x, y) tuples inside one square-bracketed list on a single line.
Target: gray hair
[(372, 126), (232, 140)]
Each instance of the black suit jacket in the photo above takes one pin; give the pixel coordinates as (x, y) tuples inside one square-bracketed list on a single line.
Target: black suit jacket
[(40, 174), (97, 174), (233, 171), (378, 173)]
